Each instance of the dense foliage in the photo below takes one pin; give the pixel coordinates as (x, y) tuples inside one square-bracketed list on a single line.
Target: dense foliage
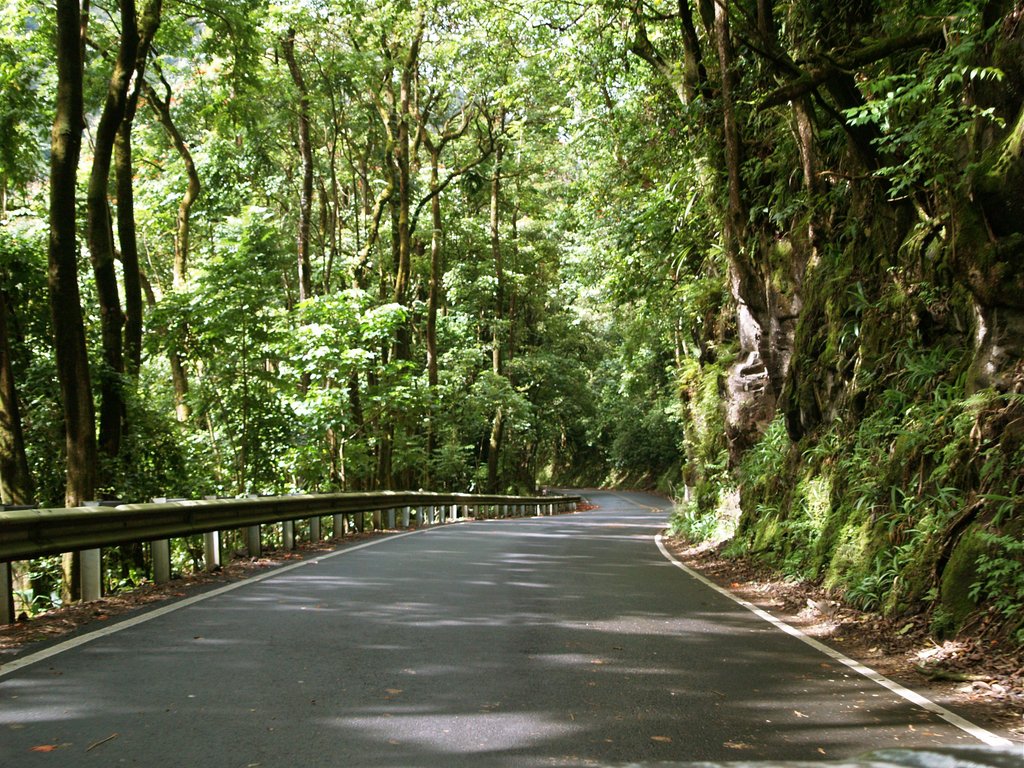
[(763, 256)]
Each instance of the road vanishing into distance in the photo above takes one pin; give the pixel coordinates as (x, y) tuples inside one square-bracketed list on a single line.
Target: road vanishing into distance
[(556, 641)]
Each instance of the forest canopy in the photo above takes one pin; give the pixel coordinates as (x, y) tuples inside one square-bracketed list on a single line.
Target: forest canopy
[(764, 256)]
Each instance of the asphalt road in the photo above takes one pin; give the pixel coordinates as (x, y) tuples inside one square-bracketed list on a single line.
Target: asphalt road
[(565, 641)]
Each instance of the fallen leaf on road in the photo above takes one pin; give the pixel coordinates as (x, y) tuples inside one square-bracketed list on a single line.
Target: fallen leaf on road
[(664, 739), (738, 745), (799, 714), (392, 691), (46, 747)]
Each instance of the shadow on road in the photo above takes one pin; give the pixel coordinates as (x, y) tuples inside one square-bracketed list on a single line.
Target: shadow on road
[(560, 641)]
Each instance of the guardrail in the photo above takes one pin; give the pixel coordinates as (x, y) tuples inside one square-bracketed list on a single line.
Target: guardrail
[(31, 533)]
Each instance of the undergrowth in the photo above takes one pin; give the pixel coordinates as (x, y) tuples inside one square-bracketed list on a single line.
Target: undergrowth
[(916, 507)]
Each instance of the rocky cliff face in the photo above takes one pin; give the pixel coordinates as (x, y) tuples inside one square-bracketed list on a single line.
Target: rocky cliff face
[(876, 407)]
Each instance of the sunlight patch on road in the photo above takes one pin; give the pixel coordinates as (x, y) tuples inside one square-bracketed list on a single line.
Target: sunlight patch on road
[(457, 733)]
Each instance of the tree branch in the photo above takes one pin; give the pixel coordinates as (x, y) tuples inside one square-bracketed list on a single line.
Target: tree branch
[(818, 75)]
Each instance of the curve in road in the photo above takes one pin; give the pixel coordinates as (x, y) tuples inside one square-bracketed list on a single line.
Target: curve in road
[(564, 640)]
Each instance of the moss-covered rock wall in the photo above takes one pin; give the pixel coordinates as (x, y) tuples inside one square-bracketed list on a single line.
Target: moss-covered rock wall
[(893, 471)]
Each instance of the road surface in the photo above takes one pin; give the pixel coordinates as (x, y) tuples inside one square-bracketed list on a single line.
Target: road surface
[(566, 641)]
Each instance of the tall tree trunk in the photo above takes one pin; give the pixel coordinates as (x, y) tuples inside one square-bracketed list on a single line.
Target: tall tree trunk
[(306, 155), (402, 162), (433, 301), (499, 268), (751, 397), (124, 170), (435, 147), (358, 424), (498, 423), (434, 286), (162, 107), (128, 241), (16, 485), (101, 239), (694, 72), (65, 301), (494, 449), (686, 81)]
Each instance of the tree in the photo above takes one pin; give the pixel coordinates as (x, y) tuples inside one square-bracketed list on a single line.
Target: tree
[(65, 302), (101, 238), (125, 171), (306, 153), (16, 486)]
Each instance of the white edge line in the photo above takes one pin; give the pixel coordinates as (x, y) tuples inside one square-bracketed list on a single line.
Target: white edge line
[(913, 697), (34, 658)]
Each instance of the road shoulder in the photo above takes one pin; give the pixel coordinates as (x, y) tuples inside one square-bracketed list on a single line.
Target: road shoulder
[(969, 676)]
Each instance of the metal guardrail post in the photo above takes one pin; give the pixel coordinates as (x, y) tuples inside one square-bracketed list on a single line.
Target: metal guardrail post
[(211, 547), (391, 519), (6, 594), (253, 535), (338, 526), (405, 516), (161, 552), (91, 575), (314, 530), (288, 534), (252, 540), (211, 550), (7, 577)]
